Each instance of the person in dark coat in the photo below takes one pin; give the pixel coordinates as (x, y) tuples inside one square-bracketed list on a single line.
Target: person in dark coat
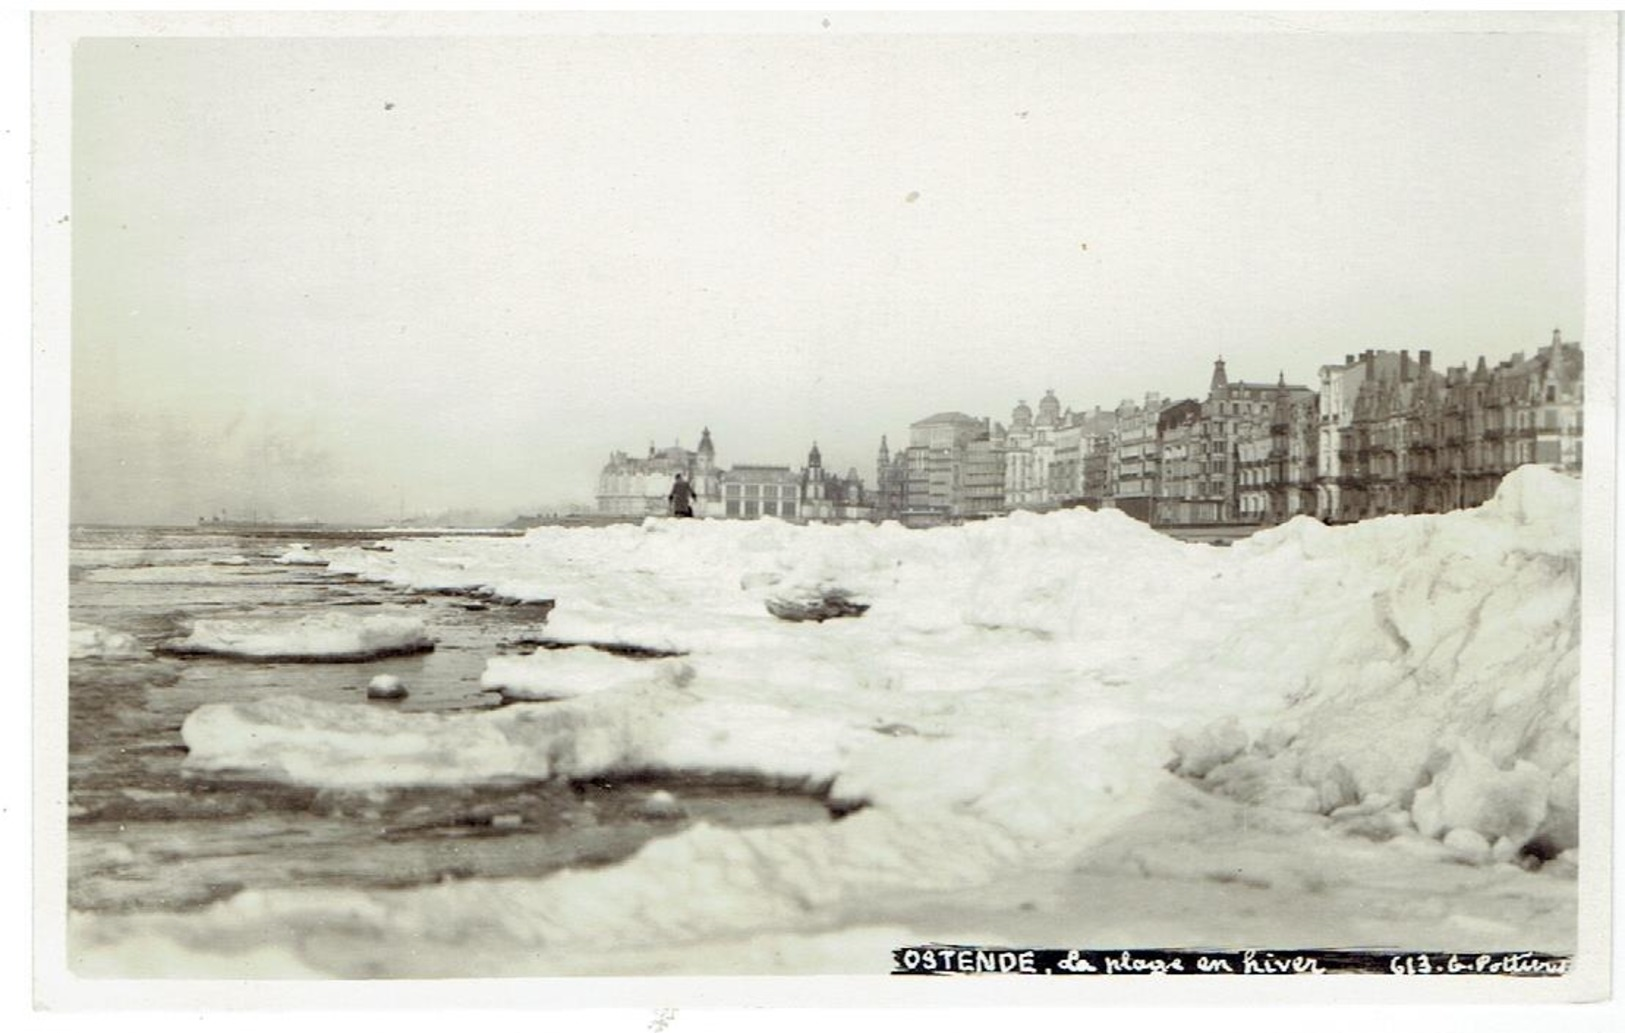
[(681, 498)]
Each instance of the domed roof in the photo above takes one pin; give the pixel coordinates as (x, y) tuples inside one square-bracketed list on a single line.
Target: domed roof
[(1049, 409), (1021, 417)]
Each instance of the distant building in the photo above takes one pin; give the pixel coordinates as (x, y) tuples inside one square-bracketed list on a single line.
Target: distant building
[(1385, 467), (1398, 437), (1135, 457), (1469, 429), (849, 499), (1341, 484), (826, 497), (637, 486), (1182, 496), (932, 475), (981, 481), (757, 491), (1277, 462), (890, 478), (1029, 450), (1236, 412)]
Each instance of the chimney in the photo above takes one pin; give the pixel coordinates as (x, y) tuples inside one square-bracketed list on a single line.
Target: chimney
[(1557, 337), (1348, 360), (1405, 366), (1424, 359)]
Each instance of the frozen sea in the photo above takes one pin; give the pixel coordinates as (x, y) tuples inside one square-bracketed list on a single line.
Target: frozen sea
[(620, 757), (145, 835)]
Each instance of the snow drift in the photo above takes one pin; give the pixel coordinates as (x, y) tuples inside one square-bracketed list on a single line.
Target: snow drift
[(1327, 715)]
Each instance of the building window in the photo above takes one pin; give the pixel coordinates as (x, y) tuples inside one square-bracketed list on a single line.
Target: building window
[(770, 509), (734, 490), (752, 491), (750, 508), (788, 509), (733, 504)]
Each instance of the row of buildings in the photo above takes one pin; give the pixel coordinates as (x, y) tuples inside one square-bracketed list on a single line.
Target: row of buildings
[(1379, 433)]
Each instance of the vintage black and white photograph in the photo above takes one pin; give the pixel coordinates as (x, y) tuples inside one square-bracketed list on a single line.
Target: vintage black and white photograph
[(1081, 498)]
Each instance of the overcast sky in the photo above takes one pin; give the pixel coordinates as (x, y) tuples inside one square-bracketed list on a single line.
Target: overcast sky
[(345, 278)]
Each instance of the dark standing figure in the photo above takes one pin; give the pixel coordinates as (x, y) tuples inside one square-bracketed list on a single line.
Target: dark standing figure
[(681, 498)]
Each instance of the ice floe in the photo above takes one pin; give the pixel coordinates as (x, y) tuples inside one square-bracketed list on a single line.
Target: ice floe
[(318, 637), (91, 642), (564, 673), (300, 554)]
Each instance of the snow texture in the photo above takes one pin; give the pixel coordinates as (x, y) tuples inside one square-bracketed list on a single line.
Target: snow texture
[(1067, 708)]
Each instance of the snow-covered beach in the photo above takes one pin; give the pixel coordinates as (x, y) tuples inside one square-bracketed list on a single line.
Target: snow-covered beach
[(1056, 730)]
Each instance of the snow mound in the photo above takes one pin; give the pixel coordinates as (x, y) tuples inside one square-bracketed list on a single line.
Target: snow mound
[(552, 674), (1446, 690), (91, 642), (326, 636)]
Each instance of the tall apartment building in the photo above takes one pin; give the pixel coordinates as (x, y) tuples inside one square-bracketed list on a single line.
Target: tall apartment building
[(1181, 484), (1277, 464), (1236, 411), (1339, 485), (1077, 471), (925, 484), (981, 479), (1385, 463), (1135, 457)]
